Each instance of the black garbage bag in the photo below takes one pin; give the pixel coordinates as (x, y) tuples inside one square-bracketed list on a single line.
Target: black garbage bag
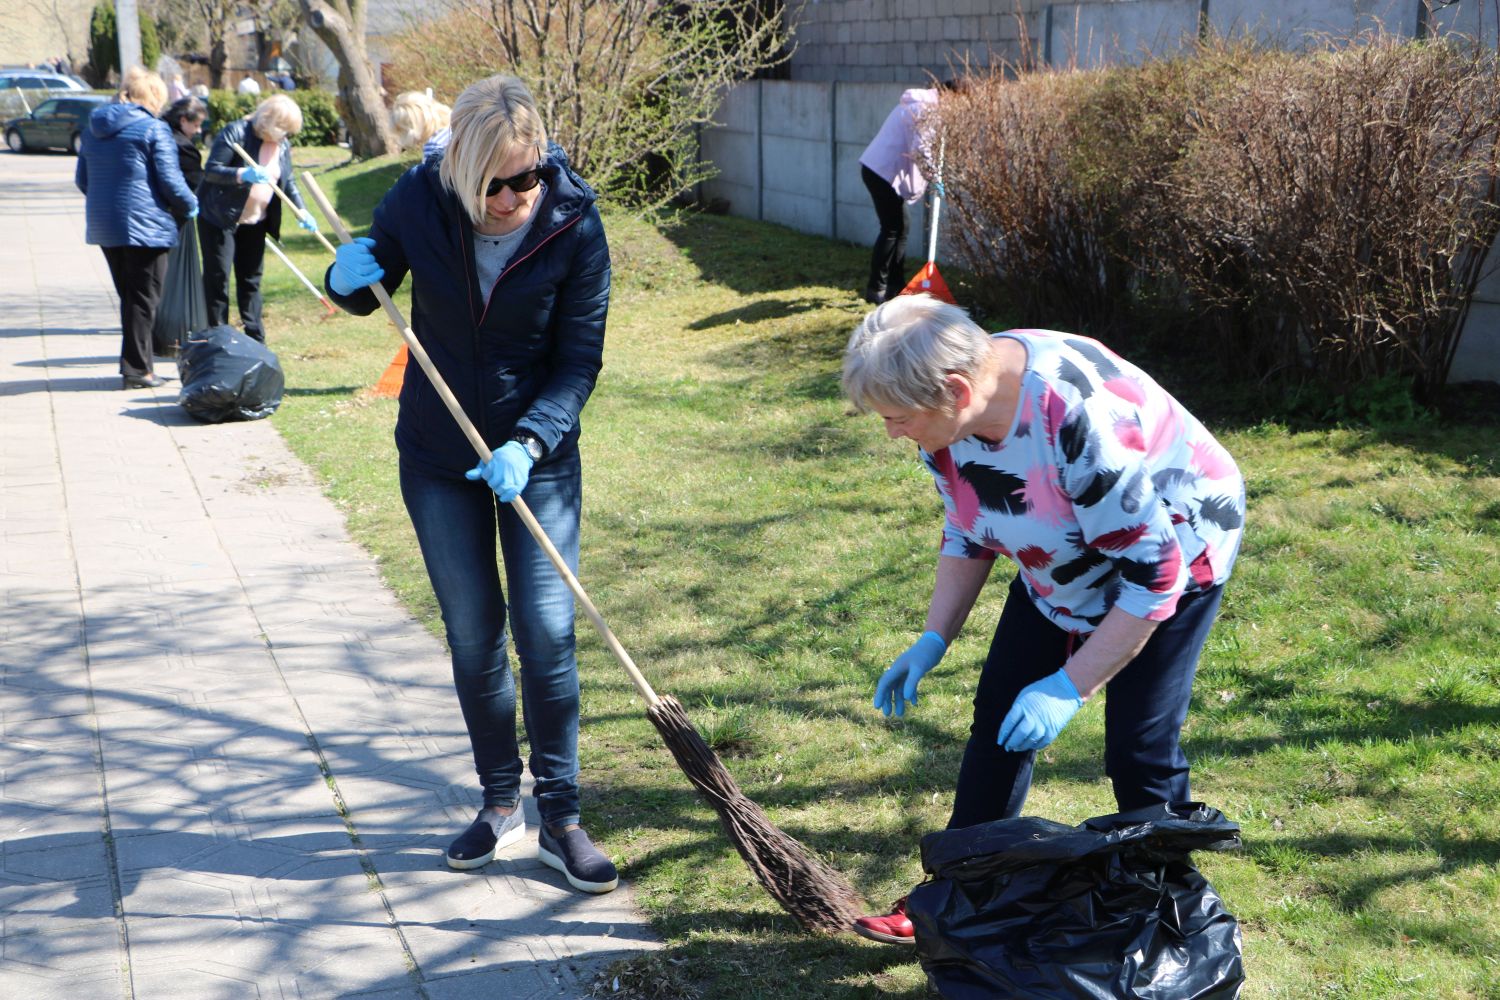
[(228, 376), (1112, 908), (183, 307)]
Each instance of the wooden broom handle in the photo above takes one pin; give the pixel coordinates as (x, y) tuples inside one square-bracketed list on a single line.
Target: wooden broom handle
[(472, 433), (298, 212)]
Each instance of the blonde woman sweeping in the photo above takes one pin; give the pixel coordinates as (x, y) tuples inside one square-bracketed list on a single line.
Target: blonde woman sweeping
[(509, 289)]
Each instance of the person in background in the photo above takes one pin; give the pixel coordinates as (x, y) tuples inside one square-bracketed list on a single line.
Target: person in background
[(1122, 515), (510, 275), (891, 169), (249, 85), (239, 207), (420, 121), (132, 184), (185, 117)]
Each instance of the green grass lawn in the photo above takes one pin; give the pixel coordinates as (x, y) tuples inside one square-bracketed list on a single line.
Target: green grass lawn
[(763, 554)]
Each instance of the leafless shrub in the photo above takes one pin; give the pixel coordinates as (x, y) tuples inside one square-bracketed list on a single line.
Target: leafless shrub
[(1324, 215), (1022, 215), (621, 84)]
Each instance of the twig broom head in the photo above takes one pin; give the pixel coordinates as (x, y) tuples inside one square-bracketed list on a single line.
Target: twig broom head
[(819, 898)]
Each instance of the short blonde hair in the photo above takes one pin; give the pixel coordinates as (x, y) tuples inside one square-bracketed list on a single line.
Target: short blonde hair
[(491, 120), (141, 86), (902, 353), (276, 117), (416, 117)]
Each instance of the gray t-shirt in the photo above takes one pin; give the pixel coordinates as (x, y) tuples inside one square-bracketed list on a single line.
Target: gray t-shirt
[(492, 253)]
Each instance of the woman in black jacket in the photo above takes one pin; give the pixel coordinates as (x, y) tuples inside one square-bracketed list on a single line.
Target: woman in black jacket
[(509, 287), (239, 207), (185, 117)]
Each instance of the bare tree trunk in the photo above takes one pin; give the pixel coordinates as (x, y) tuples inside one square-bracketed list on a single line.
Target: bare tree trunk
[(341, 26), (218, 58)]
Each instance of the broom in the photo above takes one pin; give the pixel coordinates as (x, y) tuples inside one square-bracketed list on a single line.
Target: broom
[(819, 898)]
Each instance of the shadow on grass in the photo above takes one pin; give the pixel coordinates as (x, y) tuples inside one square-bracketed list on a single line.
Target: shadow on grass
[(328, 390)]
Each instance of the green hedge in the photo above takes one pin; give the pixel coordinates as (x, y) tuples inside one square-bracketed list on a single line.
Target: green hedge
[(320, 118)]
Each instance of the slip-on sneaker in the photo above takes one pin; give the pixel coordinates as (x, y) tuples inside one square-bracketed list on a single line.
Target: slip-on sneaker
[(476, 846), (574, 855), (891, 928), (147, 381)]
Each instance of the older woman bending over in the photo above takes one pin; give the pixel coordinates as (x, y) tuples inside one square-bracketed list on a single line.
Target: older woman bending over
[(1121, 513)]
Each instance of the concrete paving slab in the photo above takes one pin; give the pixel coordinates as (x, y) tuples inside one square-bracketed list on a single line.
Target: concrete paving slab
[(231, 761)]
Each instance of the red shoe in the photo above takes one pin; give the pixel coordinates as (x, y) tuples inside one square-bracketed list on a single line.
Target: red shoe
[(892, 928)]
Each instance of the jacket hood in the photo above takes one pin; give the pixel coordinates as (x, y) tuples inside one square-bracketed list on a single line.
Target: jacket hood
[(112, 119)]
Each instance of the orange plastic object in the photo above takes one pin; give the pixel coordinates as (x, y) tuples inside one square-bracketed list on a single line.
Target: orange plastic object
[(930, 281), (389, 385)]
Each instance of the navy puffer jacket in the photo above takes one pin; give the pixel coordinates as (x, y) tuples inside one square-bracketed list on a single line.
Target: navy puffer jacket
[(129, 174), (521, 355)]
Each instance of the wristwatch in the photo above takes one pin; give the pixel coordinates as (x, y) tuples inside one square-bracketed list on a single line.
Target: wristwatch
[(531, 443)]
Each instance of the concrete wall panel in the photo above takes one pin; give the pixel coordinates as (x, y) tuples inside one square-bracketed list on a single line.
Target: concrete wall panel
[(733, 154), (737, 110), (797, 211), (797, 166), (1478, 354), (795, 110), (1089, 35), (1290, 23)]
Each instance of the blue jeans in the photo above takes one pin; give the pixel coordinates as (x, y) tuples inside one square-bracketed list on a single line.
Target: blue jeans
[(1145, 706), (456, 522)]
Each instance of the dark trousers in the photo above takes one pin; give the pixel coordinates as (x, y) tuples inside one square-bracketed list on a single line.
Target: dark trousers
[(1145, 706), (244, 249), (889, 256), (138, 273), (457, 523)]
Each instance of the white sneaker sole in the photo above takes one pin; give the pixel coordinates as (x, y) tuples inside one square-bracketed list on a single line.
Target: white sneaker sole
[(551, 860), (507, 838), (881, 936)]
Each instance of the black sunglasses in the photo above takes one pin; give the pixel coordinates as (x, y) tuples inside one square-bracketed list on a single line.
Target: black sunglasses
[(520, 183)]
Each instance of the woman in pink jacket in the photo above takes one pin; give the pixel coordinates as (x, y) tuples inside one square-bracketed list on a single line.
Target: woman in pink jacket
[(890, 168)]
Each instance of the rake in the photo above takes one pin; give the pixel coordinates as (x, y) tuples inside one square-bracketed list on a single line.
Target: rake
[(819, 898)]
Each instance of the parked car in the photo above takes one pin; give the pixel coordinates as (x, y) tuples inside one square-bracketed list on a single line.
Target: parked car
[(38, 79), (56, 123)]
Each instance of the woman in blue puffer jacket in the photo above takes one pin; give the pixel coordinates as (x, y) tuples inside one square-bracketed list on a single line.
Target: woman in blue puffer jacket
[(510, 287), (129, 175)]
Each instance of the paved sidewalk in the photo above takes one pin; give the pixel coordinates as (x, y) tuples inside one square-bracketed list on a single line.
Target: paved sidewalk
[(229, 760)]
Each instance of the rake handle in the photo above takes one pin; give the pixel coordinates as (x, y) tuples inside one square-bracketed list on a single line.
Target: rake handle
[(482, 449), (298, 212)]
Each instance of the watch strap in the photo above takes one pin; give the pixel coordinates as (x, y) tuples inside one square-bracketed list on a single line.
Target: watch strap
[(531, 443)]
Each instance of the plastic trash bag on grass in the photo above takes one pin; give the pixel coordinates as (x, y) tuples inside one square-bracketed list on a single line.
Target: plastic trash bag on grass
[(228, 376), (1112, 908)]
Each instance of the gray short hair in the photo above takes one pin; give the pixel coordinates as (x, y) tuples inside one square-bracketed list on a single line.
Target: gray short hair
[(491, 120), (902, 352)]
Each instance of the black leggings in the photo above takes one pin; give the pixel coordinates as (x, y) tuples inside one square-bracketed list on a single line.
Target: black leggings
[(1144, 708), (889, 256)]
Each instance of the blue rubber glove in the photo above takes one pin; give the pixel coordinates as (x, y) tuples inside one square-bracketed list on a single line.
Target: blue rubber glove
[(193, 212), (506, 471), (354, 266), (308, 222), (1040, 712), (937, 189), (909, 668), (254, 175)]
